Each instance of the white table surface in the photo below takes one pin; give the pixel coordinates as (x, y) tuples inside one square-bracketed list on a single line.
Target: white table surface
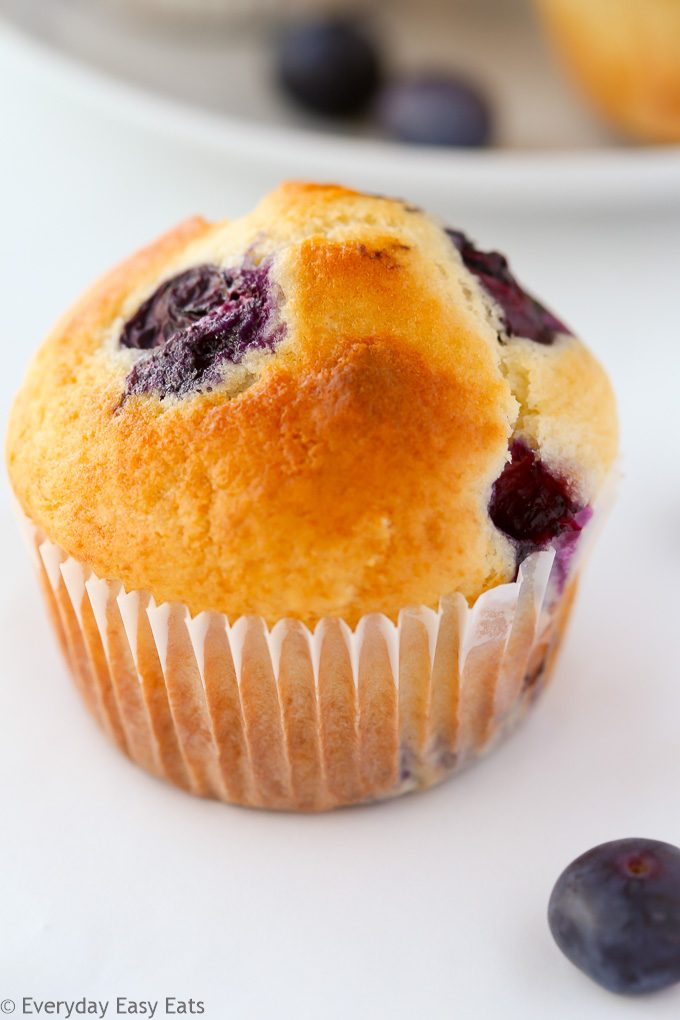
[(113, 884)]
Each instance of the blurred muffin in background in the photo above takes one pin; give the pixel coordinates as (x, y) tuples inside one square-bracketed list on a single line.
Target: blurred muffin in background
[(626, 56)]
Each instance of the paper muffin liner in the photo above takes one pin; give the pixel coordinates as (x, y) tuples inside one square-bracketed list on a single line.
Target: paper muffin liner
[(284, 717)]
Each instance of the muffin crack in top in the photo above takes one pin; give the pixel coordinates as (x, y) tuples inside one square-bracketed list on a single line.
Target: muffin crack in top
[(307, 412)]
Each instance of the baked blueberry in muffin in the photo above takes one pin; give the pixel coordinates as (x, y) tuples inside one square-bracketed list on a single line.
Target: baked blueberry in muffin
[(195, 322), (334, 409)]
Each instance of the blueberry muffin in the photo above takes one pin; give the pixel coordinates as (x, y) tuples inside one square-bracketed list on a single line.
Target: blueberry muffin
[(626, 56), (306, 492)]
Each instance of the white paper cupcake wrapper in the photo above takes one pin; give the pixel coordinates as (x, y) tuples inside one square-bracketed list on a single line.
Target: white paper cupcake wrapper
[(289, 718)]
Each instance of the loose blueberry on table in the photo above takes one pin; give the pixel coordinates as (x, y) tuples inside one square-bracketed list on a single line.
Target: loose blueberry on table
[(329, 66), (615, 913), (435, 110)]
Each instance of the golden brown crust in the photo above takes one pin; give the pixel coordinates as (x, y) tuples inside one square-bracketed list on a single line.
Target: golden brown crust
[(354, 474), (626, 57)]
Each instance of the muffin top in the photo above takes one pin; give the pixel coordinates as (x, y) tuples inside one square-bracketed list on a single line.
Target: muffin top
[(333, 406)]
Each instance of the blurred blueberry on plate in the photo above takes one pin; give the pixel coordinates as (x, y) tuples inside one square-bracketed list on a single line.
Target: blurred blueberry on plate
[(435, 110), (615, 913), (330, 66)]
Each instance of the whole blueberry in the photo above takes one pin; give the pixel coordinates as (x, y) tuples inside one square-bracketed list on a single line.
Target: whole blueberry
[(435, 110), (329, 66), (615, 913)]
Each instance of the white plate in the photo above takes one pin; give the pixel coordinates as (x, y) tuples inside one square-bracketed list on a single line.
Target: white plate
[(212, 89)]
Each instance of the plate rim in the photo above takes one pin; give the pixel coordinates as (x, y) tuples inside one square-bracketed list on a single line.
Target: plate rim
[(592, 177)]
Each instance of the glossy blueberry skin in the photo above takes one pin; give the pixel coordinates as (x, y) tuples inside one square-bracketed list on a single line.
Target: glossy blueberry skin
[(615, 913), (329, 66), (435, 110)]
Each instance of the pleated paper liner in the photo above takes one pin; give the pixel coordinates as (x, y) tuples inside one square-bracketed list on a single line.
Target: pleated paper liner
[(287, 718)]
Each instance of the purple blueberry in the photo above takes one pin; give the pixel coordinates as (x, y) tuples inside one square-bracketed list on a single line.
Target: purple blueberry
[(177, 304), (615, 913), (194, 324), (435, 110), (523, 315), (329, 66), (531, 505)]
